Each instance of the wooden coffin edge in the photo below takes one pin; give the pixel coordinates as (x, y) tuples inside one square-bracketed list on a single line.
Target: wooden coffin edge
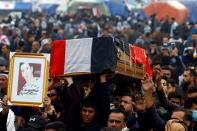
[(130, 70)]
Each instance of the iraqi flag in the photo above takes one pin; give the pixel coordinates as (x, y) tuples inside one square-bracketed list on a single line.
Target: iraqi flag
[(87, 55)]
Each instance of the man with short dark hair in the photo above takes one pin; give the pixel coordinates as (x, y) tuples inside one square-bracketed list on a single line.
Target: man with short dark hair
[(117, 119), (35, 47), (127, 106), (167, 72), (88, 117), (3, 84), (5, 49), (3, 64), (188, 80), (126, 103), (175, 98)]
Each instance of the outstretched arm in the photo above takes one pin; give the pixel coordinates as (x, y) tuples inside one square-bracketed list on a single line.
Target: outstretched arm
[(155, 119)]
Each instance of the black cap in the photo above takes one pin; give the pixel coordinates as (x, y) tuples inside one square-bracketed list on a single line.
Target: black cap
[(37, 122)]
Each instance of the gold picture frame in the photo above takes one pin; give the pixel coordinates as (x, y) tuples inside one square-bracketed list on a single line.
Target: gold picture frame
[(28, 79)]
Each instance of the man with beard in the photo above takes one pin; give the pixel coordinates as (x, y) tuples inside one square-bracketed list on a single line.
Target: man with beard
[(3, 84), (188, 80), (165, 56), (127, 106)]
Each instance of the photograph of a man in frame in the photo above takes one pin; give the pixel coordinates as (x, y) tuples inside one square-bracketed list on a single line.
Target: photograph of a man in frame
[(29, 82)]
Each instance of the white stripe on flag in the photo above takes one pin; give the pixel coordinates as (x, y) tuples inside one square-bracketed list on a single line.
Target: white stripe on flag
[(78, 55)]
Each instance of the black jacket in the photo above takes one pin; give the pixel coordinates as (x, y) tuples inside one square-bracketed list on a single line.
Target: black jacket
[(151, 119), (3, 121)]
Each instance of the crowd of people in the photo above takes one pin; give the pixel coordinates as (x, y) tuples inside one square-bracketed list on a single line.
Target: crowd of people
[(102, 102)]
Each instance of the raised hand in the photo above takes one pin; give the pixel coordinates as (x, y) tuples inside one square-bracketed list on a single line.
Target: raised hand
[(139, 103), (5, 105), (49, 108), (158, 74), (147, 84), (47, 101)]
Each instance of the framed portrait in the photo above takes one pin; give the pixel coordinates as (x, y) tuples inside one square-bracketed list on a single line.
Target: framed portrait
[(28, 79)]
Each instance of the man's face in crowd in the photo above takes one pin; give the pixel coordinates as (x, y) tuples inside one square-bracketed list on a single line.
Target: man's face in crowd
[(31, 39), (35, 46), (194, 106), (87, 90), (175, 101), (186, 77), (2, 68), (53, 95), (88, 114), (5, 50), (170, 88), (3, 82), (167, 73), (165, 40), (44, 34), (126, 103), (116, 120)]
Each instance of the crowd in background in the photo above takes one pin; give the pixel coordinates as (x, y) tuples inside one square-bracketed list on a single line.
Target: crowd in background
[(167, 101)]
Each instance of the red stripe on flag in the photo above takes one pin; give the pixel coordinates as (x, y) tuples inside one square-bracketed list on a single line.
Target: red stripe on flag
[(57, 61), (138, 56)]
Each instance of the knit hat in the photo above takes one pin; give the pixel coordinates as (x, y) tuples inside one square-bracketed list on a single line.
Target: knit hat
[(44, 42), (5, 74), (37, 122)]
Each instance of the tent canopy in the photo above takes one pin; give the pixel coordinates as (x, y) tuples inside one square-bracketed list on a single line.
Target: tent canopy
[(192, 7), (74, 5), (50, 9), (23, 6), (173, 9)]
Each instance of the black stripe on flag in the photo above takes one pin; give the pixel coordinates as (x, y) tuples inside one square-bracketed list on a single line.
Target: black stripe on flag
[(103, 55)]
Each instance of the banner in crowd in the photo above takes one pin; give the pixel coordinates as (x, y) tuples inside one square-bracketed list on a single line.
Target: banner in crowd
[(86, 55)]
